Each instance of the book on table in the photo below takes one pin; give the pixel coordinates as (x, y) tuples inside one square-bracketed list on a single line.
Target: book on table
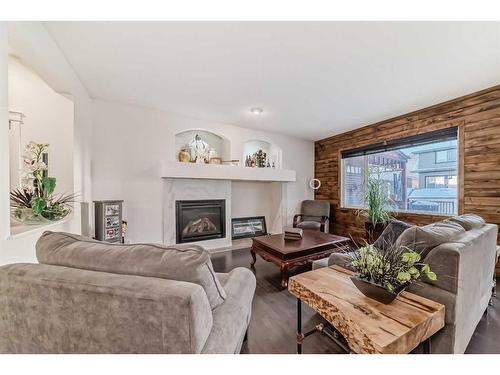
[(293, 233)]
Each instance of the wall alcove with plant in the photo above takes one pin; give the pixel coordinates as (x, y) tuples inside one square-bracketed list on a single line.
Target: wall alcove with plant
[(41, 124)]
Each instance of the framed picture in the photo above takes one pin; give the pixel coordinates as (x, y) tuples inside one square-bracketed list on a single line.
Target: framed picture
[(244, 227), (112, 233), (112, 221), (112, 209)]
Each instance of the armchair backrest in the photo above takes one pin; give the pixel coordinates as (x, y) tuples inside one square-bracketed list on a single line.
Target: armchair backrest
[(314, 209)]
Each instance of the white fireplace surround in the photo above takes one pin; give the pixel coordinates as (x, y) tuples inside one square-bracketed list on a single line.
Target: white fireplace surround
[(246, 191)]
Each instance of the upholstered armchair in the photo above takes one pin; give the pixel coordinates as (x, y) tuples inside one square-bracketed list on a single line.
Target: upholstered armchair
[(313, 215)]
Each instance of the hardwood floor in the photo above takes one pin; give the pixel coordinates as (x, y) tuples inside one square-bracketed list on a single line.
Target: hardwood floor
[(272, 327)]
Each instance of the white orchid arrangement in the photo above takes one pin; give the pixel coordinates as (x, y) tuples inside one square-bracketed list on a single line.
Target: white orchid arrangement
[(36, 197), (33, 164)]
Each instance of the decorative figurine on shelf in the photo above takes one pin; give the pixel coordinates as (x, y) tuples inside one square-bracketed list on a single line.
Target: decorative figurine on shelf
[(199, 150), (124, 230), (184, 155), (260, 159), (213, 157)]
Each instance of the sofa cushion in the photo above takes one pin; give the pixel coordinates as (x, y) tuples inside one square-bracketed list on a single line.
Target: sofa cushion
[(469, 221), (424, 239), (191, 263), (391, 233)]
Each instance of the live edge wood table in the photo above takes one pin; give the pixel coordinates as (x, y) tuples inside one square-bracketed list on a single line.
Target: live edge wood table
[(285, 254), (361, 324)]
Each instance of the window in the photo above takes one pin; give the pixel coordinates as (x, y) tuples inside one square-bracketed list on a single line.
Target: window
[(446, 156), (408, 169)]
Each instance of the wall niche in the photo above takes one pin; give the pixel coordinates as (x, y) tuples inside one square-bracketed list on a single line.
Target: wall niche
[(254, 150), (40, 115), (201, 146)]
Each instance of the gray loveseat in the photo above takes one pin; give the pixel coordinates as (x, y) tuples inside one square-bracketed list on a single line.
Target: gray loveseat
[(461, 251), (87, 296)]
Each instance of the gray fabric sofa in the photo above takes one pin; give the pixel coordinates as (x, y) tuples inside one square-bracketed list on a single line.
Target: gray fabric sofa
[(465, 264), (87, 296)]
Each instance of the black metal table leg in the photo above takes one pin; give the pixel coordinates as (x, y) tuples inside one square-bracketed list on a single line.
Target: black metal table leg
[(427, 346), (299, 326)]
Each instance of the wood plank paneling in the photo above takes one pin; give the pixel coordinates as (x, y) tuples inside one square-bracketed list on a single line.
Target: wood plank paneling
[(478, 117)]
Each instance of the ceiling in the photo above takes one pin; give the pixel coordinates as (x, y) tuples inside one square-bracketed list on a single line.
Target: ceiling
[(313, 79)]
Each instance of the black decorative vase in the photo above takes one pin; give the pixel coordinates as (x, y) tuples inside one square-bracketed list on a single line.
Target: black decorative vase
[(376, 292)]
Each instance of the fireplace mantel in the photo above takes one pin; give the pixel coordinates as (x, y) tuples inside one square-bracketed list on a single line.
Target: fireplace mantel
[(225, 172)]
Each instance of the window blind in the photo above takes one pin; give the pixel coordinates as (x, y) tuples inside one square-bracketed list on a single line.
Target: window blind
[(441, 135)]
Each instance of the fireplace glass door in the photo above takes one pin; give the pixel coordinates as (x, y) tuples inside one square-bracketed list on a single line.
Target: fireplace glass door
[(200, 220)]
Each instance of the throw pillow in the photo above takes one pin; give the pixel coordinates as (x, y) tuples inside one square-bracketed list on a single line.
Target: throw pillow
[(390, 234), (424, 239), (469, 221)]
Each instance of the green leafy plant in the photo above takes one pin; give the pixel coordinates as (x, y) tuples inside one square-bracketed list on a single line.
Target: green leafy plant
[(377, 204), (36, 198), (393, 269)]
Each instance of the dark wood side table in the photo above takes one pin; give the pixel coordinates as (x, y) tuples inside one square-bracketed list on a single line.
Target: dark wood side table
[(285, 254)]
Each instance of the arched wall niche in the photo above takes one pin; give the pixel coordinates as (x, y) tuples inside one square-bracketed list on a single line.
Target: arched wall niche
[(273, 152), (217, 142)]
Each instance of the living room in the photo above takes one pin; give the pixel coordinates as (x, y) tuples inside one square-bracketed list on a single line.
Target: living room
[(262, 187)]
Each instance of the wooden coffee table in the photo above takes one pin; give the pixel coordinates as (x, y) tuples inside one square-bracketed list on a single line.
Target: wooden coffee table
[(285, 254), (367, 326)]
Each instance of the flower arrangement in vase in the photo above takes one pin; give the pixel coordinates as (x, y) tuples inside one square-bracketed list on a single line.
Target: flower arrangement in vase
[(382, 275), (35, 201)]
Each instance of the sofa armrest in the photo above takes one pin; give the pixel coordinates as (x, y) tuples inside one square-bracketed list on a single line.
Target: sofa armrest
[(437, 294), (341, 259), (231, 319), (324, 221), (444, 260)]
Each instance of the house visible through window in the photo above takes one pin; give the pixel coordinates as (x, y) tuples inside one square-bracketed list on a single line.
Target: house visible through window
[(445, 156), (432, 182), (419, 173)]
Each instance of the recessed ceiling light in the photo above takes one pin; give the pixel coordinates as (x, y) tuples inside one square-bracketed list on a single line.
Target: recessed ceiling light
[(256, 111)]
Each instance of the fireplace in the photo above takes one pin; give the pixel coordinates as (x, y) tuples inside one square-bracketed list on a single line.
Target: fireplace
[(200, 220)]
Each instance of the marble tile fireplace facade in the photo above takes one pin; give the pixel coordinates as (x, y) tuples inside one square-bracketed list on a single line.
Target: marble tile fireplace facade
[(241, 198)]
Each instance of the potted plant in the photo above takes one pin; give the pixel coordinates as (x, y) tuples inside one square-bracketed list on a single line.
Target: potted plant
[(35, 202), (382, 275), (377, 208)]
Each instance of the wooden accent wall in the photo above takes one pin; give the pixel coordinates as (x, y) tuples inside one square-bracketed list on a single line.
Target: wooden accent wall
[(478, 119)]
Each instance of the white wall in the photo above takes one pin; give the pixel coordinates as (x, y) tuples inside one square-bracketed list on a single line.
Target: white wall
[(130, 143), (31, 42), (49, 119), (258, 199), (4, 137)]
